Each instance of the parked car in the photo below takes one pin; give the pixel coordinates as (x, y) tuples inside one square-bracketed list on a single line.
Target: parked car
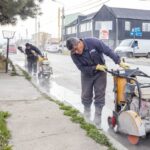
[(63, 49), (12, 49), (2, 51), (134, 48), (54, 48)]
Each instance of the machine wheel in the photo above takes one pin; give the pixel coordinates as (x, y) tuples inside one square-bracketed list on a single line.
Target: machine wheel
[(148, 55), (111, 122), (60, 51), (39, 75), (133, 139), (130, 55), (47, 76)]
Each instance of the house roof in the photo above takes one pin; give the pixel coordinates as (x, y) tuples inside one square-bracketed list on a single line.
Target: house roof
[(84, 18), (130, 13), (118, 13), (89, 16), (72, 23), (70, 18)]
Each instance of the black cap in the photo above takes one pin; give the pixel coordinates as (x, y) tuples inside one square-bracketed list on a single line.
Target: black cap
[(71, 42), (27, 44)]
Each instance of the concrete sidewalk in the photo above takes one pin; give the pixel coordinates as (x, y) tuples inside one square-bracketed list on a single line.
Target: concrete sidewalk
[(37, 123)]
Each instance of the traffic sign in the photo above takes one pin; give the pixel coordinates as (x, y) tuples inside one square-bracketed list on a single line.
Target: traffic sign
[(136, 32), (137, 29)]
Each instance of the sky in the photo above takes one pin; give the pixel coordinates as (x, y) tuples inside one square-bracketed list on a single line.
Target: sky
[(48, 21)]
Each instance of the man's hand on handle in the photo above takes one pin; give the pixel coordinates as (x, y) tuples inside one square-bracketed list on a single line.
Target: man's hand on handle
[(124, 65), (101, 67)]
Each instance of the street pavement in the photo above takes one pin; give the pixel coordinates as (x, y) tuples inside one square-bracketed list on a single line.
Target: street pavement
[(37, 123), (65, 86)]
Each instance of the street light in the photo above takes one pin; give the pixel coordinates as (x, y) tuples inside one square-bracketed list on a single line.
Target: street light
[(8, 35), (62, 20)]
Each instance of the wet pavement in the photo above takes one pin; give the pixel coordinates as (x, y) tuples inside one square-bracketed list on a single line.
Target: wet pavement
[(64, 85)]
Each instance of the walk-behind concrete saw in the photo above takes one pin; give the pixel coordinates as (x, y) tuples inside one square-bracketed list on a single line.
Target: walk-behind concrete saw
[(131, 115)]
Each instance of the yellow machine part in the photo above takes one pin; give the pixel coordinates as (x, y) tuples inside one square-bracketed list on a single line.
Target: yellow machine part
[(120, 89)]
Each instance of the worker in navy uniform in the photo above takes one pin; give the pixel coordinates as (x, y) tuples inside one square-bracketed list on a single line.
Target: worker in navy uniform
[(87, 54)]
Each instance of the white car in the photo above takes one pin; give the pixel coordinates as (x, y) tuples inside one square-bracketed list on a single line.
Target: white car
[(63, 49), (2, 52), (54, 48)]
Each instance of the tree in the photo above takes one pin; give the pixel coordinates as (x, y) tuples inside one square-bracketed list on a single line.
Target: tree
[(11, 9)]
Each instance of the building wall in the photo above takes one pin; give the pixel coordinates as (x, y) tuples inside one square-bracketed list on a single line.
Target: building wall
[(134, 23), (102, 15), (70, 35), (105, 14), (85, 34)]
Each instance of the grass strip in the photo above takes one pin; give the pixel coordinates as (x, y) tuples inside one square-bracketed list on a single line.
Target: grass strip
[(4, 132), (90, 129)]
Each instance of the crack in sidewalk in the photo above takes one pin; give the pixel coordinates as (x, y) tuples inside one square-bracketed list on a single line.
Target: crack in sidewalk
[(40, 137)]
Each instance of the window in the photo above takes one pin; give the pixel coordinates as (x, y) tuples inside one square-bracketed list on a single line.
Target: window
[(146, 27), (103, 25), (69, 30), (83, 27), (86, 27), (97, 25), (127, 26), (73, 29)]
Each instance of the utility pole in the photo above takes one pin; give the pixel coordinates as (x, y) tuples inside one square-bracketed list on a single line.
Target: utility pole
[(116, 43), (35, 30), (26, 34), (62, 27), (38, 35), (62, 21), (59, 24)]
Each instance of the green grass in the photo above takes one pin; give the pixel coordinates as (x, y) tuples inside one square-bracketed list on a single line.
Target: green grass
[(90, 129), (4, 132), (25, 73)]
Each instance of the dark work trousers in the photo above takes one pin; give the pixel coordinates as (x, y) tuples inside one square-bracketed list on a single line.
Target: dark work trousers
[(32, 65), (95, 85)]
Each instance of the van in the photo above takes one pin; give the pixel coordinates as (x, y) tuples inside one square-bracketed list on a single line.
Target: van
[(134, 48)]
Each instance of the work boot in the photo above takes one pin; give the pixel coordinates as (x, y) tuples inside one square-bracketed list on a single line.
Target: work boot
[(97, 117), (87, 113)]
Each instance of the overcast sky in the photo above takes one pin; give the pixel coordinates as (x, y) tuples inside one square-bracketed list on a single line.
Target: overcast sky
[(49, 19)]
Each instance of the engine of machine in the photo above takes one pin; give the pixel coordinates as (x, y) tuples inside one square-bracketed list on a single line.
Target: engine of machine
[(144, 110)]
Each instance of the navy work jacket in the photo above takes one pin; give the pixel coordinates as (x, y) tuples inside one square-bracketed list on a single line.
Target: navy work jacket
[(93, 55)]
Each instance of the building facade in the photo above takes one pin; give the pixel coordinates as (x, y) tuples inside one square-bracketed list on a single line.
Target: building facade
[(112, 25)]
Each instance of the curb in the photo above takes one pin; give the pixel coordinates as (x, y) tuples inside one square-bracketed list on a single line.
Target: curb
[(115, 143)]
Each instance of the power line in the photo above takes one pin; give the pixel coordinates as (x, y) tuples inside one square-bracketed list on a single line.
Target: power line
[(95, 6), (83, 5)]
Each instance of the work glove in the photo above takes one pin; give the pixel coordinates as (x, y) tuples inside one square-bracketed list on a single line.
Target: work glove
[(101, 67), (34, 53), (40, 59), (124, 65)]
